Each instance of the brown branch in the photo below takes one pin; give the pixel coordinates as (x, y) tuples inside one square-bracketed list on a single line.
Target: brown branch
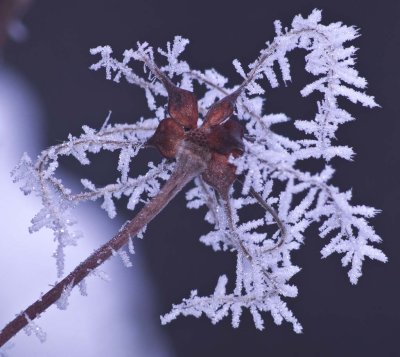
[(226, 205), (240, 245), (274, 215), (188, 166)]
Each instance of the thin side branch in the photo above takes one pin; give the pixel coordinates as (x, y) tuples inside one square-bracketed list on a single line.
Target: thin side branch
[(274, 215)]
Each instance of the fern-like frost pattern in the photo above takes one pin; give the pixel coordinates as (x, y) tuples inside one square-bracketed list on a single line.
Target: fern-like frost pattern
[(268, 169)]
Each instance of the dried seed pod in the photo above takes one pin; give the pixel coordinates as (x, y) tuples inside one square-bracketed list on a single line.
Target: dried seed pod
[(216, 139), (221, 110), (167, 137), (198, 136), (182, 106), (220, 173), (227, 138)]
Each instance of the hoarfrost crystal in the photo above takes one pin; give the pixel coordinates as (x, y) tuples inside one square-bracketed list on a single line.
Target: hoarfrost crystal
[(33, 328), (292, 199)]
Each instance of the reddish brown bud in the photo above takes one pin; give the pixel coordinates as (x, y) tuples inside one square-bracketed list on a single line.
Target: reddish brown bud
[(227, 138), (167, 137), (182, 105), (221, 110), (220, 173)]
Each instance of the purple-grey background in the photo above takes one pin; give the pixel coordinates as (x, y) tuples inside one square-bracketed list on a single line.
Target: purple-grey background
[(338, 319)]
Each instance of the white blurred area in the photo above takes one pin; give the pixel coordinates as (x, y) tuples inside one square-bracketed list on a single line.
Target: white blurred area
[(116, 318)]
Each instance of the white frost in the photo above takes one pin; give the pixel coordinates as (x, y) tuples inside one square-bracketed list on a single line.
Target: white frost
[(293, 199), (62, 302), (33, 328)]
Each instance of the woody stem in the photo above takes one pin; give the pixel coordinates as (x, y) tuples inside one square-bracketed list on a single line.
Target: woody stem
[(186, 169)]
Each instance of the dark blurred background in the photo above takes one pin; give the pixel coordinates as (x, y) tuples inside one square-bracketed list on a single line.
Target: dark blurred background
[(338, 319)]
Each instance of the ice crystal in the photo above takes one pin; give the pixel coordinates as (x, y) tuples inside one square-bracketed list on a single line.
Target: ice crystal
[(62, 302), (5, 349), (33, 328), (293, 198), (58, 201), (83, 287), (125, 258)]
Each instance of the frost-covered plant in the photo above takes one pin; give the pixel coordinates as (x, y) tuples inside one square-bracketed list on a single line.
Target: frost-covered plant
[(234, 162)]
